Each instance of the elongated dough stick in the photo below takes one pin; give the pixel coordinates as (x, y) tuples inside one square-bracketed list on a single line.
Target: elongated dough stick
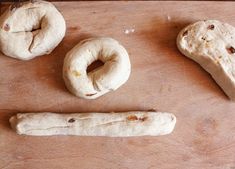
[(123, 124)]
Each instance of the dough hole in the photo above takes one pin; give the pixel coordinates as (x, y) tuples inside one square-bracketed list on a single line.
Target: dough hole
[(94, 65), (185, 33)]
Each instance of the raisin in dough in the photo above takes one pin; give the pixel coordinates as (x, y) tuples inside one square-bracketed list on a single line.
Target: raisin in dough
[(31, 30), (211, 43), (114, 73), (94, 124)]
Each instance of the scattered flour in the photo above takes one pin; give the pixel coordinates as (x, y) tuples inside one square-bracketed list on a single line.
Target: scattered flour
[(168, 17), (128, 31)]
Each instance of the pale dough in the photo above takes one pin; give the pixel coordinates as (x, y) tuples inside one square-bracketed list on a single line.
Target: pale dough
[(211, 43), (114, 73), (126, 124), (31, 30)]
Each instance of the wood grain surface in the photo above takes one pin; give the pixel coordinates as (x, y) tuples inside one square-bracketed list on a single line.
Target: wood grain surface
[(161, 78)]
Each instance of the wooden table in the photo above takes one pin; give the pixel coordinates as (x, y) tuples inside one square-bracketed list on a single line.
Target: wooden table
[(162, 78)]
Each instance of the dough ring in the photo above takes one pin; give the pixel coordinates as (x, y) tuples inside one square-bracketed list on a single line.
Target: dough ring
[(114, 73), (31, 30)]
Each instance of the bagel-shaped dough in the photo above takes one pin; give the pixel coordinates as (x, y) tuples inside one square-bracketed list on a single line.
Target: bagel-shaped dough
[(31, 30), (114, 73)]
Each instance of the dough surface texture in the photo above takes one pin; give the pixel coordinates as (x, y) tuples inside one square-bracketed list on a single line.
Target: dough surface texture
[(211, 43), (90, 85), (122, 124), (31, 30)]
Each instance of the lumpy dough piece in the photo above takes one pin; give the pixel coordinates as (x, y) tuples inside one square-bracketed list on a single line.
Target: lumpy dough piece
[(31, 30), (211, 43), (125, 124), (114, 73)]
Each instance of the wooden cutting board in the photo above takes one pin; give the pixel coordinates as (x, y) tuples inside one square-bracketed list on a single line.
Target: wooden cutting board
[(161, 78)]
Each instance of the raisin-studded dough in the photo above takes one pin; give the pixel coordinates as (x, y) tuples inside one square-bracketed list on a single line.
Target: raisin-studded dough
[(30, 30), (113, 74), (126, 124), (211, 43)]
